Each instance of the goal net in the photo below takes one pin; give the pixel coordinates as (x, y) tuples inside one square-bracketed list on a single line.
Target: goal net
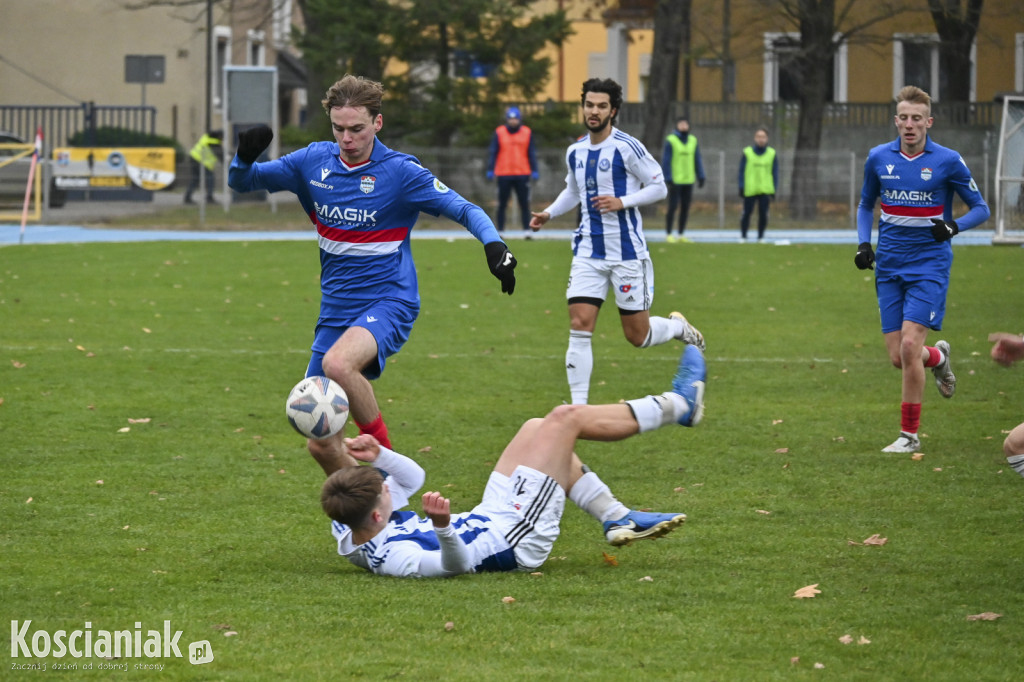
[(1009, 199)]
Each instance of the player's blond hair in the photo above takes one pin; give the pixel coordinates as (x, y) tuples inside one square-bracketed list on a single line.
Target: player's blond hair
[(354, 91), (915, 95)]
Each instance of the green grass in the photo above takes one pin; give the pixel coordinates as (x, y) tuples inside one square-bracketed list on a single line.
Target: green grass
[(207, 515)]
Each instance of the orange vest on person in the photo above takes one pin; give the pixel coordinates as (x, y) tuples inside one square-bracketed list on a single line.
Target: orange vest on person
[(513, 151)]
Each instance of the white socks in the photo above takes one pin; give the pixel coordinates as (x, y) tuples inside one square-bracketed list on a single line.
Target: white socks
[(663, 330), (656, 411), (594, 497), (579, 365), (1017, 463)]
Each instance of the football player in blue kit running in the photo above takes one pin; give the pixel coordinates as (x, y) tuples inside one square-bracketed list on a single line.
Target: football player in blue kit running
[(364, 200), (916, 179)]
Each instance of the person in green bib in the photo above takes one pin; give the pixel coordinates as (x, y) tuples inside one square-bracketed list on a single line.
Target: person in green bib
[(206, 152), (682, 165), (759, 176)]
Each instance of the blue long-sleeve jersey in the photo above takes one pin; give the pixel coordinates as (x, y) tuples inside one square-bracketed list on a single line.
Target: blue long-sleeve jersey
[(364, 216), (913, 190)]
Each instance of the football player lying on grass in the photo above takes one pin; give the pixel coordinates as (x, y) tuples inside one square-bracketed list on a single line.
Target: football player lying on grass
[(517, 522)]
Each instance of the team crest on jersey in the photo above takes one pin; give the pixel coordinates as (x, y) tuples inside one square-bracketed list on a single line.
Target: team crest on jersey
[(440, 186), (625, 288), (366, 184), (604, 165), (926, 173)]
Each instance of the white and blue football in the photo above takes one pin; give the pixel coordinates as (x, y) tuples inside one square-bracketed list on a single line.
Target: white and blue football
[(317, 408)]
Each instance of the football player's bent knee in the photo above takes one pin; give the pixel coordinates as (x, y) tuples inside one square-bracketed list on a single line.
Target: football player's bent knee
[(564, 414), (1014, 443), (337, 366)]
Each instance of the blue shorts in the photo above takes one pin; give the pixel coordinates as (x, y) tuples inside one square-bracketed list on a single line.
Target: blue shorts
[(390, 321), (916, 300)]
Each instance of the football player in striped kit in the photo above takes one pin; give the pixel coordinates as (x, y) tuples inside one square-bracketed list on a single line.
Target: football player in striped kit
[(916, 180), (363, 199), (518, 520), (610, 175)]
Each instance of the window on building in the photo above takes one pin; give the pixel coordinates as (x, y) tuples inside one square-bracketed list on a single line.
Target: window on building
[(255, 48), (1018, 61), (916, 62), (221, 58), (782, 76), (281, 24)]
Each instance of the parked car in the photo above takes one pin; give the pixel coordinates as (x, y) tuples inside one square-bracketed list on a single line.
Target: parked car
[(14, 175)]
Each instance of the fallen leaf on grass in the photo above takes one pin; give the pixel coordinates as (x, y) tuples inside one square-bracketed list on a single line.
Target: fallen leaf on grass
[(794, 660), (646, 579), (28, 500), (230, 633), (846, 639), (876, 539), (18, 365), (781, 451), (610, 559), (426, 449), (776, 422), (141, 420), (807, 592), (763, 511), (147, 330), (863, 640), (99, 482), (819, 666), (508, 600), (124, 429), (988, 615), (917, 456), (449, 626)]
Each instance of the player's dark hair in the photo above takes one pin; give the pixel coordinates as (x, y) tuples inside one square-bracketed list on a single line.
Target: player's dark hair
[(608, 87), (350, 494), (355, 91)]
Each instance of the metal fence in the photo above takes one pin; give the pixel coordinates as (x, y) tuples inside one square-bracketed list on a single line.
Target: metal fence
[(837, 186), (61, 123)]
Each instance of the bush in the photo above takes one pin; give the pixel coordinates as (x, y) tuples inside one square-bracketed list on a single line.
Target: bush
[(122, 137)]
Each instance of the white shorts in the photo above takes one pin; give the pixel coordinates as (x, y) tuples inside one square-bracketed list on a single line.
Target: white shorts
[(527, 510), (632, 281)]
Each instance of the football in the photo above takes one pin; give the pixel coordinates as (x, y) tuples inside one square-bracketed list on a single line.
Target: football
[(317, 408)]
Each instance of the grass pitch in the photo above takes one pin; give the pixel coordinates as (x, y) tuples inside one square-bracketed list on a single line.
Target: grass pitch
[(204, 512)]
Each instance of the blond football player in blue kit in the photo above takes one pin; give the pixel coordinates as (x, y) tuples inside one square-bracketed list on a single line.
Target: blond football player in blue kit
[(610, 175), (915, 181), (363, 199)]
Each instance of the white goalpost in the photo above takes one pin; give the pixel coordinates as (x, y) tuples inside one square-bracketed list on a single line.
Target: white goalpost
[(1009, 198)]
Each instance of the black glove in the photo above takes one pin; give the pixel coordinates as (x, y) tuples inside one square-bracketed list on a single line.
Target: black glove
[(252, 142), (700, 183), (865, 258), (944, 229), (502, 264)]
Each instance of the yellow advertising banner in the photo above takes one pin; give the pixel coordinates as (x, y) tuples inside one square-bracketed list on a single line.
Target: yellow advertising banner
[(150, 168)]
